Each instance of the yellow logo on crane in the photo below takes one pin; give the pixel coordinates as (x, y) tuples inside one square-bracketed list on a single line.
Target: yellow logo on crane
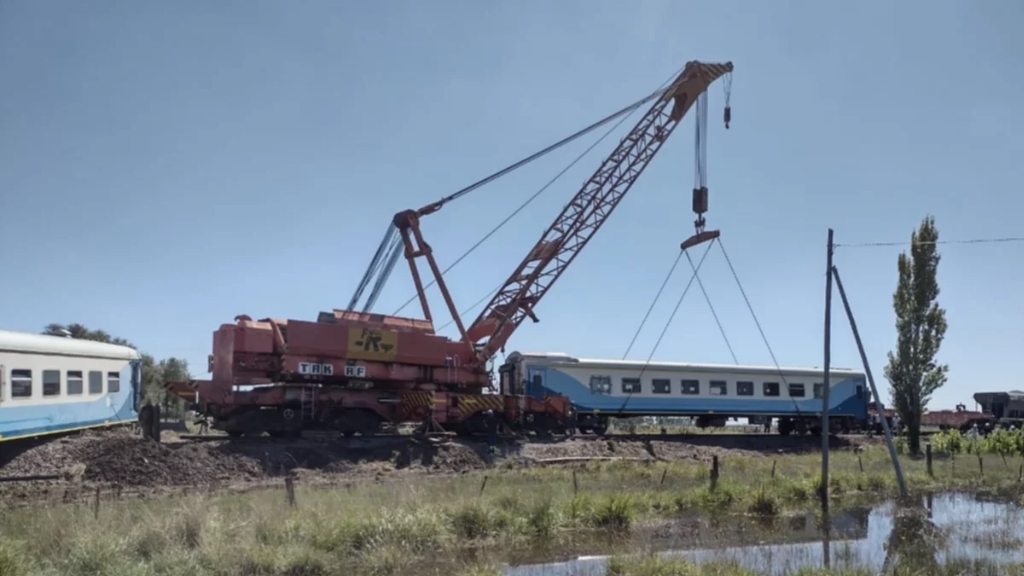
[(372, 344)]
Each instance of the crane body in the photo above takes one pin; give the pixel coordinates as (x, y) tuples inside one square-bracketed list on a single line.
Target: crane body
[(356, 371)]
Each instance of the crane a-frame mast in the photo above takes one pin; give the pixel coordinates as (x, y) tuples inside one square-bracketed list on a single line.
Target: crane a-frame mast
[(576, 224)]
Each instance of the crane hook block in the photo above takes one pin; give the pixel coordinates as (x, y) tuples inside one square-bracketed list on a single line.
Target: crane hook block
[(728, 116), (700, 200)]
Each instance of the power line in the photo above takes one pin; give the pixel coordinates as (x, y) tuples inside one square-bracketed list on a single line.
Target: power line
[(967, 241)]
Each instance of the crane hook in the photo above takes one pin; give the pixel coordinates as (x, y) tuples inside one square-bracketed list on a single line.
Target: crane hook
[(728, 116)]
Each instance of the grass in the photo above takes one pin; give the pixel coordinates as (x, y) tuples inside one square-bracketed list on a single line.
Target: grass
[(422, 525)]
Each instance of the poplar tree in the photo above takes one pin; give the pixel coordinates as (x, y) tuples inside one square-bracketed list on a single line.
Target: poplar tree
[(912, 371)]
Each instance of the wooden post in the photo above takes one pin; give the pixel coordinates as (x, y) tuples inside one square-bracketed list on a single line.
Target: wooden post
[(773, 467), (96, 504), (928, 458), (483, 485), (663, 474), (155, 434), (575, 484), (860, 462), (714, 472), (289, 490), (827, 373)]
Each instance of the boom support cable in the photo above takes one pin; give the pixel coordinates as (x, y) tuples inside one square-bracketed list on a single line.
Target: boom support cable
[(391, 236), (504, 171), (389, 266), (625, 113)]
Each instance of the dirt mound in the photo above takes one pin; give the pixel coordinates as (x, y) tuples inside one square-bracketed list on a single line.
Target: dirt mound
[(129, 461), (136, 462)]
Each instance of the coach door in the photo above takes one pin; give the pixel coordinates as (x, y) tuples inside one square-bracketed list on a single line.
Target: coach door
[(535, 384), (136, 383)]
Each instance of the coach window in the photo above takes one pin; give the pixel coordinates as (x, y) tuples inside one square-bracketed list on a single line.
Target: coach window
[(690, 387), (74, 382), (796, 390), (719, 388), (819, 390), (51, 382), (744, 388), (770, 388), (113, 382), (601, 384), (21, 383), (661, 386), (631, 386), (95, 382)]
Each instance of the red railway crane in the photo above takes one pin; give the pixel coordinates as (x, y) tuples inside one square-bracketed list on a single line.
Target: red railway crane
[(352, 371)]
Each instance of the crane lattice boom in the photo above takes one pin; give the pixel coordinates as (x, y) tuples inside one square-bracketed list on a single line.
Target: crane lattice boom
[(587, 211)]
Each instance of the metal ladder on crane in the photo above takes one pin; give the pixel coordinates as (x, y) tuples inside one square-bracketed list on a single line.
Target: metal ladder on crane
[(307, 403)]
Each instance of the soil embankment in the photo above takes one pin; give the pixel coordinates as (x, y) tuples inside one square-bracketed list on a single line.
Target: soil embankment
[(116, 462)]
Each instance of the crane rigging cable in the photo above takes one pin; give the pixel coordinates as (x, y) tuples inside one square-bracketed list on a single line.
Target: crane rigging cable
[(533, 197), (655, 301), (392, 238), (712, 308), (668, 323)]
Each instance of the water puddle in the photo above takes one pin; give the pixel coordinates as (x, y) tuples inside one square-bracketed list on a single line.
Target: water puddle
[(948, 527)]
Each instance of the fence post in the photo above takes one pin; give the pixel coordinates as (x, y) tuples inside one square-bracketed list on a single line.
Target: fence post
[(928, 458), (714, 472), (483, 485), (96, 504), (289, 490)]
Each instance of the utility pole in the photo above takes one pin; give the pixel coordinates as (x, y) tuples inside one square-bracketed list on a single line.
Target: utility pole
[(827, 380)]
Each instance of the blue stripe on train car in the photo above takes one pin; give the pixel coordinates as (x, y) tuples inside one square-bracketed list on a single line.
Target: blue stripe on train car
[(843, 400), (39, 419)]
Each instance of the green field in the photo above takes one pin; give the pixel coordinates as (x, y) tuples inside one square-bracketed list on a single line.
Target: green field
[(462, 524)]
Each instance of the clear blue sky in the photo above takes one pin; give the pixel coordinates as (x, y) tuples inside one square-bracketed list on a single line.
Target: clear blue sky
[(165, 166)]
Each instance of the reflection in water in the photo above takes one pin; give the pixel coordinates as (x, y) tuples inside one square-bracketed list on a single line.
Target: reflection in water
[(936, 531), (914, 540)]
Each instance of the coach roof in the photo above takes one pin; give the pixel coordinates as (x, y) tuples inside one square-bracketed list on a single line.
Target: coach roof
[(561, 358), (30, 343)]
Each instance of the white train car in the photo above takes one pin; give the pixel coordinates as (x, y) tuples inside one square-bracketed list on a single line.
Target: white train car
[(53, 384), (709, 393)]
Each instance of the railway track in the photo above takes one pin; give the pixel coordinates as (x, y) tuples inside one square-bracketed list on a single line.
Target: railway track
[(703, 438)]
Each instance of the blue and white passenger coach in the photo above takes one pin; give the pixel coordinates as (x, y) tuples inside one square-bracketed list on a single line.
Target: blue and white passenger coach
[(709, 393), (52, 384)]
